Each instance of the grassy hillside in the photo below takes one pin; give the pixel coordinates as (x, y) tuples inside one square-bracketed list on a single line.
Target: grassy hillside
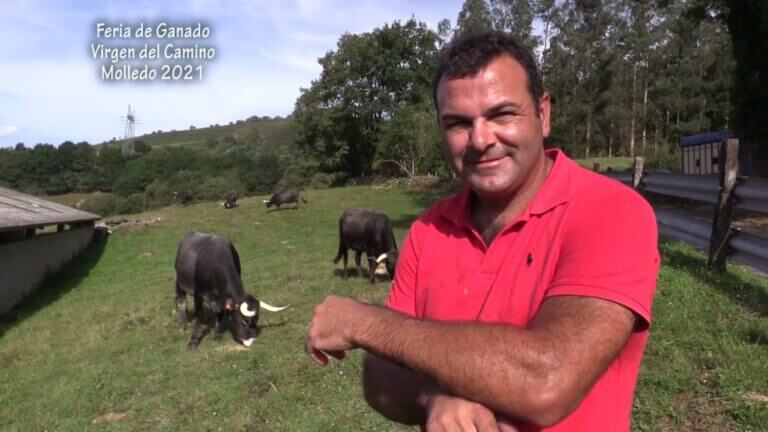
[(73, 199), (277, 133), (98, 347)]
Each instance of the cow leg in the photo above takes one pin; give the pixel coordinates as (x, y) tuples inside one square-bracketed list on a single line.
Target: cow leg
[(344, 257), (181, 303), (219, 326), (372, 264), (197, 334), (357, 263)]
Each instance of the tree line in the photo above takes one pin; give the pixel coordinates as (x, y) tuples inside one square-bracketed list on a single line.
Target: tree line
[(627, 78), (144, 179)]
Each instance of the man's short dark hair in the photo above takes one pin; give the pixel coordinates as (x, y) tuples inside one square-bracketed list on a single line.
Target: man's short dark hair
[(466, 54)]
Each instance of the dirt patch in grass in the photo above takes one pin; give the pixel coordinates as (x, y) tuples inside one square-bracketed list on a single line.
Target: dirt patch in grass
[(109, 417), (132, 223), (707, 412), (232, 347)]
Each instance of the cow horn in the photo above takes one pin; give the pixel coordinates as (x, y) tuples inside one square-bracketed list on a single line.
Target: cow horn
[(271, 308), (245, 311), (381, 258), (266, 201)]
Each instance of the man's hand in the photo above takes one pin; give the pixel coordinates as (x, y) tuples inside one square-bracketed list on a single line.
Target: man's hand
[(331, 330), (448, 413)]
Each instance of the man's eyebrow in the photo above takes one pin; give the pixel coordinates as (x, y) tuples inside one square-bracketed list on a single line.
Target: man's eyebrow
[(449, 116), (502, 106)]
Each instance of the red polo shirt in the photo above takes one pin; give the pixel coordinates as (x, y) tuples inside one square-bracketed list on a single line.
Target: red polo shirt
[(583, 234)]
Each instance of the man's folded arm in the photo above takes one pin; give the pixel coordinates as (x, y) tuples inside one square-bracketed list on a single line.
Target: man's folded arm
[(394, 391), (539, 374)]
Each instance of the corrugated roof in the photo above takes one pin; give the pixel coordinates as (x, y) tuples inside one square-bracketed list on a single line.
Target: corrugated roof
[(19, 210)]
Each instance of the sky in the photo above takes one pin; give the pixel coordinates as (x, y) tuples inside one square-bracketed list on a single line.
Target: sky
[(265, 51)]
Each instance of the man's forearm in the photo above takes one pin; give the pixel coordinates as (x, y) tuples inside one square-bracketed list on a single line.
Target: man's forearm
[(494, 365), (395, 392), (540, 373)]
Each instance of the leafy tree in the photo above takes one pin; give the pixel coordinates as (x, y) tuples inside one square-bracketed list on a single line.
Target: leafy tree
[(339, 118), (473, 17), (516, 17), (140, 147), (411, 141)]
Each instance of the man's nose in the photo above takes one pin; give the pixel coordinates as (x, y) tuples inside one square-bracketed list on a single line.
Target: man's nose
[(482, 135)]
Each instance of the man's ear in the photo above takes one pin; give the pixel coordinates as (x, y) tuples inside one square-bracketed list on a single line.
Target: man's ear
[(230, 305)]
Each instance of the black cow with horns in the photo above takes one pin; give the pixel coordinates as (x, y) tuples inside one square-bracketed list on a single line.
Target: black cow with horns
[(285, 197), (370, 232), (184, 197), (231, 201), (208, 269)]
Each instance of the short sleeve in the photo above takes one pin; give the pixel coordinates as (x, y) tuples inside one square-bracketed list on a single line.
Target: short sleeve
[(402, 296), (610, 251)]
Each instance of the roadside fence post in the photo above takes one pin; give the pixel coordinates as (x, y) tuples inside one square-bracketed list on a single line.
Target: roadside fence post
[(728, 168)]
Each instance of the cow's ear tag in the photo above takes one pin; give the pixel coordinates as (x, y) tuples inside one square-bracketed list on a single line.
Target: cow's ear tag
[(230, 305)]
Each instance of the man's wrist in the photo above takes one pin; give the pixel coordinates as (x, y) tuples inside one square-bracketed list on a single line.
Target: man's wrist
[(364, 317)]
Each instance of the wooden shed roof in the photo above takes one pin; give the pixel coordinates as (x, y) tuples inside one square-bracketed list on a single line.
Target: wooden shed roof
[(19, 211)]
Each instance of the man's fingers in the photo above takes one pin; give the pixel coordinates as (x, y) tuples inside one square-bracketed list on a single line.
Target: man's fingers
[(318, 356), (337, 354), (486, 422)]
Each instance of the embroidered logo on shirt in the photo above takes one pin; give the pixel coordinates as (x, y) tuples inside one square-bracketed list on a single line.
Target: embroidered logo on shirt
[(529, 260)]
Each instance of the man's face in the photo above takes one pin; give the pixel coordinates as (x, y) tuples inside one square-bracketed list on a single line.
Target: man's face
[(491, 133)]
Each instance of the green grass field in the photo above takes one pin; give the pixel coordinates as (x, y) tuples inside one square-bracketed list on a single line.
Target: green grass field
[(72, 199), (98, 347), (615, 163)]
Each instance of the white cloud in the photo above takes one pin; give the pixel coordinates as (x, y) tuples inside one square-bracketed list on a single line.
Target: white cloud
[(8, 131), (266, 51)]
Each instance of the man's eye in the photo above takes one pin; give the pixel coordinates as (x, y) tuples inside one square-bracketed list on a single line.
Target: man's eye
[(503, 116), (454, 125)]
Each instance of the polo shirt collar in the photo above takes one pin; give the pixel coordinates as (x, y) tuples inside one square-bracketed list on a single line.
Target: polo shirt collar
[(554, 192)]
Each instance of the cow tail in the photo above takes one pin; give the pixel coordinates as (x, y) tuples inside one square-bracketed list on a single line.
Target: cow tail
[(391, 233), (236, 257), (341, 246)]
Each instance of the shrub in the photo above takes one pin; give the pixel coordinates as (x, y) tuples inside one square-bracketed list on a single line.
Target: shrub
[(133, 203), (216, 188), (157, 194), (260, 176), (665, 159), (298, 174), (328, 180), (102, 204)]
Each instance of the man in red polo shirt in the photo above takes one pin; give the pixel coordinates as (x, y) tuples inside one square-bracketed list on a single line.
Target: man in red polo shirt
[(522, 302)]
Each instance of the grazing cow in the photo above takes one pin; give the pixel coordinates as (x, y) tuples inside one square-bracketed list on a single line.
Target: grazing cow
[(208, 269), (184, 197), (285, 197), (231, 199), (369, 232)]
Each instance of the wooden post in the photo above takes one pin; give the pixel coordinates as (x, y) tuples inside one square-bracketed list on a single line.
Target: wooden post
[(637, 175), (728, 167), (596, 167)]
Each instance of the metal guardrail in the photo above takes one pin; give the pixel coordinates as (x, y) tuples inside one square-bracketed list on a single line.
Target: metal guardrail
[(752, 194), (624, 177), (694, 187), (694, 231), (725, 193), (749, 249)]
